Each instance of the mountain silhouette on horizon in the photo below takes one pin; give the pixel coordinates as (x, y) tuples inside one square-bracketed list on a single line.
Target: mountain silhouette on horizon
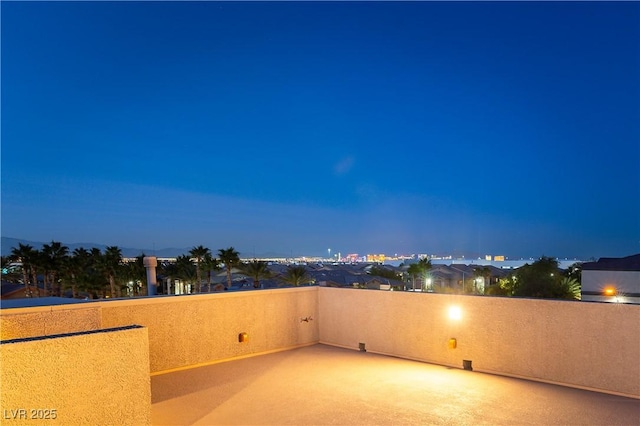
[(8, 243)]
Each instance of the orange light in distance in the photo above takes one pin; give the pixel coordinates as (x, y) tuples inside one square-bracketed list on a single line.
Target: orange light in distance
[(610, 291)]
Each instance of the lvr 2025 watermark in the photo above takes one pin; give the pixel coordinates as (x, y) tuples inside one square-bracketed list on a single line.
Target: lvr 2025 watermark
[(30, 414)]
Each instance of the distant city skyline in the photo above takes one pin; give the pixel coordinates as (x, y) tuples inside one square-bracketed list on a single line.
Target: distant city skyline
[(292, 127), (171, 252)]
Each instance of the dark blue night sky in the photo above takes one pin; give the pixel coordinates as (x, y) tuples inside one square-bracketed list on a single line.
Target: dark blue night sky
[(416, 127)]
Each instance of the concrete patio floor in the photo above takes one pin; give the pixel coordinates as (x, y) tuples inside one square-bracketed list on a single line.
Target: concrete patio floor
[(324, 385)]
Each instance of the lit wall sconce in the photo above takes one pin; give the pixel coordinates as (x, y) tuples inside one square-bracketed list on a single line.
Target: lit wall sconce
[(243, 337), (455, 313), (453, 343), (610, 291)]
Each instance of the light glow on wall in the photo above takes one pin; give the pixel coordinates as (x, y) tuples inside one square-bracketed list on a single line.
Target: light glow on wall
[(455, 313)]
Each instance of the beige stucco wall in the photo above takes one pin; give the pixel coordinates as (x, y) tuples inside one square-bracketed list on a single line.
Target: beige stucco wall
[(87, 378), (199, 329), (47, 320), (587, 345)]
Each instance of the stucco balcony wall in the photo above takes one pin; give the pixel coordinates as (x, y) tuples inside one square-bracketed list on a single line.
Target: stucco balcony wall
[(580, 344), (47, 320), (584, 345), (99, 377), (198, 329)]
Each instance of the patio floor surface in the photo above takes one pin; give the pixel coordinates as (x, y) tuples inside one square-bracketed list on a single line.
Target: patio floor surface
[(325, 385)]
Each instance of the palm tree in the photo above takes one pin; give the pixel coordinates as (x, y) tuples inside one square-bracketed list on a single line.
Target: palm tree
[(26, 255), (413, 271), (231, 258), (484, 273), (479, 273), (78, 268), (570, 288), (199, 254), (257, 270), (425, 266), (112, 261), (210, 263), (164, 279), (168, 272), (575, 271), (36, 265), (135, 274), (296, 276), (95, 282), (54, 256), (185, 270)]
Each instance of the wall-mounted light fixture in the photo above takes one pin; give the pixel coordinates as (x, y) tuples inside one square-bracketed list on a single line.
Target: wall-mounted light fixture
[(610, 291), (455, 313)]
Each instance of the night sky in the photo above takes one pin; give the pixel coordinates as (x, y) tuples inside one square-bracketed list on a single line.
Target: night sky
[(371, 127)]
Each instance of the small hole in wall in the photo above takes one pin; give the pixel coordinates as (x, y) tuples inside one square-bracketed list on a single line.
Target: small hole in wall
[(362, 347)]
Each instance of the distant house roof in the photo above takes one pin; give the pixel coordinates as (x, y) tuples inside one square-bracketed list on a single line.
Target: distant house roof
[(629, 263), (9, 288), (340, 277), (385, 281)]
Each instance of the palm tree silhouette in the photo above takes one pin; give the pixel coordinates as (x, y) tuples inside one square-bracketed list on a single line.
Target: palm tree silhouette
[(231, 258)]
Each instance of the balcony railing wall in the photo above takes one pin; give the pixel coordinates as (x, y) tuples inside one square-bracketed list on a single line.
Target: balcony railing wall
[(99, 377), (585, 345), (580, 344), (199, 329)]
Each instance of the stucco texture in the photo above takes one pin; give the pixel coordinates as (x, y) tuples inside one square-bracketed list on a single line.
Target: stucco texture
[(47, 320), (585, 345), (200, 329), (95, 378)]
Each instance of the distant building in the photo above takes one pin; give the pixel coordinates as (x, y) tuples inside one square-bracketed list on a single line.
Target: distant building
[(353, 258), (499, 262), (376, 258), (612, 279)]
